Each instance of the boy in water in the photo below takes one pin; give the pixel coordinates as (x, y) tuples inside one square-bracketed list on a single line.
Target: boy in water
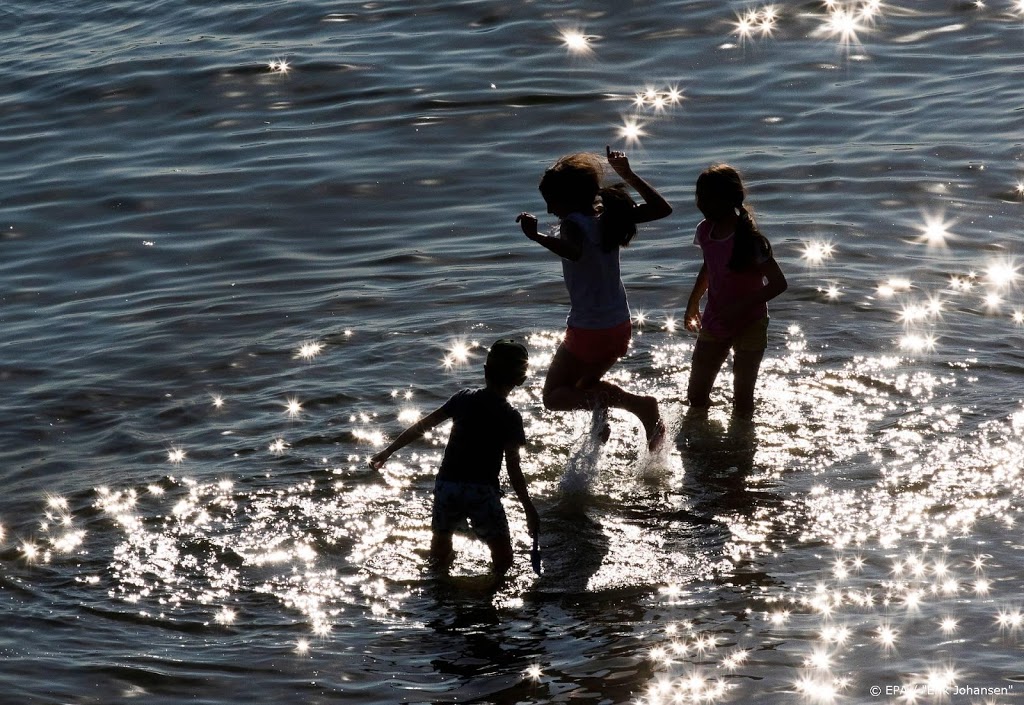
[(485, 428)]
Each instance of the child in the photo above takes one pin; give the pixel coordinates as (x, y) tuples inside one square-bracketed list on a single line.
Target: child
[(740, 276), (594, 223), (485, 428)]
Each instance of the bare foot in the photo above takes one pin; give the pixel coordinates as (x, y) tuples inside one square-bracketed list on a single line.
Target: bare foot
[(654, 427)]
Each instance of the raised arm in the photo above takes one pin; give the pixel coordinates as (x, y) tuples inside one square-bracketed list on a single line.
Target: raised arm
[(408, 436), (654, 206), (518, 482)]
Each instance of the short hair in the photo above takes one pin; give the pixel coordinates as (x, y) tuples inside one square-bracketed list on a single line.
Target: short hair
[(507, 361)]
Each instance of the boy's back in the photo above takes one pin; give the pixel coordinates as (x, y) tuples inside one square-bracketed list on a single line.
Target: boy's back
[(483, 424)]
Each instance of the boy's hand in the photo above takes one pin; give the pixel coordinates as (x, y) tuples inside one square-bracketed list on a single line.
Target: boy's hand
[(377, 461), (532, 521), (528, 222)]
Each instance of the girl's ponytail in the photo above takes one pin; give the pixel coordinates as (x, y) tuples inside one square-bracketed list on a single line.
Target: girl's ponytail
[(749, 244), (617, 224)]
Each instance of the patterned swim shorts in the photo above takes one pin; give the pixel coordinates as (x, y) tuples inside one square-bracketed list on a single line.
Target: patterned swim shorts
[(481, 504)]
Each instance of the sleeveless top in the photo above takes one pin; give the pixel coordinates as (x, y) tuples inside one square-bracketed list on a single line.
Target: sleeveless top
[(725, 284), (597, 297)]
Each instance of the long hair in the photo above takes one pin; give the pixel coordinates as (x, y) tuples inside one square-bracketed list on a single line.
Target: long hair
[(575, 181), (618, 227), (748, 242)]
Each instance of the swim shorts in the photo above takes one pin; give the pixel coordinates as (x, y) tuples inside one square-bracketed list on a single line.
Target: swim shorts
[(598, 345), (455, 502), (753, 337)]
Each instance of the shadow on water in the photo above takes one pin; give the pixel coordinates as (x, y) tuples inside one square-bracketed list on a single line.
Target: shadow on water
[(574, 548), (723, 488), (718, 461)]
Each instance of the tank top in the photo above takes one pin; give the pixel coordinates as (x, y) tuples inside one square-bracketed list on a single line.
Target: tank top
[(597, 297)]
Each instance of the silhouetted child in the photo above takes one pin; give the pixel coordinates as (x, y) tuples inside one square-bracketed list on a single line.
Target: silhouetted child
[(485, 429), (594, 223), (739, 275)]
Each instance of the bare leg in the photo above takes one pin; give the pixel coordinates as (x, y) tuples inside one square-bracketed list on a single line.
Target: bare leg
[(573, 384), (707, 360), (745, 366), (501, 556), (441, 553)]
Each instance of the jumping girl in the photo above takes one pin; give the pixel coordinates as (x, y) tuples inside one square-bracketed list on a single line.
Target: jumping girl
[(594, 223)]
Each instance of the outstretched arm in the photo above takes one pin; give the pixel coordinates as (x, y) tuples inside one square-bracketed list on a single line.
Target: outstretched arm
[(654, 206), (700, 286), (518, 482), (569, 246), (408, 436)]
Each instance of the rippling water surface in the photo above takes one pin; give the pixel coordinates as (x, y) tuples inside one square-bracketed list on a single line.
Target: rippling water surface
[(246, 243)]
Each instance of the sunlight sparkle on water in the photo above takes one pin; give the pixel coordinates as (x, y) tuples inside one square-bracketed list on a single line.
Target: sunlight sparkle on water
[(1001, 274), (577, 42), (458, 354), (761, 21), (831, 292), (817, 251), (843, 23), (935, 232), (409, 416), (176, 456), (293, 408), (658, 100), (631, 131), (279, 66), (892, 286), (307, 351)]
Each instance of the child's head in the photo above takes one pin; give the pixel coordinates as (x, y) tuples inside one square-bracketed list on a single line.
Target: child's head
[(506, 363), (572, 184), (719, 191)]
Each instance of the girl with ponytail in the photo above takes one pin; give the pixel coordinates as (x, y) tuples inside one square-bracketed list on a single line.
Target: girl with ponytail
[(739, 276), (595, 221)]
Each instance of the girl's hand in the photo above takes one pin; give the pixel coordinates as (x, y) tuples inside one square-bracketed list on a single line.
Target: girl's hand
[(528, 222), (692, 321), (619, 162)]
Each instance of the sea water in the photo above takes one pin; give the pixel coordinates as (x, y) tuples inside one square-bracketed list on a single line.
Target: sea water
[(245, 244)]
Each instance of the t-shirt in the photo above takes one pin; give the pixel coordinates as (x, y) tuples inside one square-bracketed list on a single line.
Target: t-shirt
[(483, 423), (725, 284), (597, 298)]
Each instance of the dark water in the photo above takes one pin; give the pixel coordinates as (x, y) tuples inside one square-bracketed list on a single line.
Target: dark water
[(244, 243)]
